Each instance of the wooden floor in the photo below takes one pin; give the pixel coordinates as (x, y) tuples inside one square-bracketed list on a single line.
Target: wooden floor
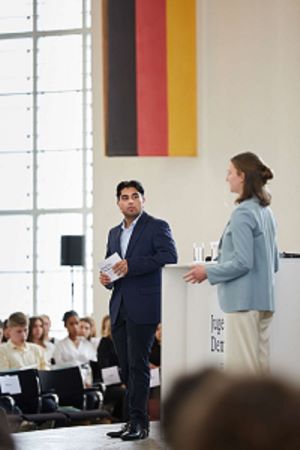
[(92, 437)]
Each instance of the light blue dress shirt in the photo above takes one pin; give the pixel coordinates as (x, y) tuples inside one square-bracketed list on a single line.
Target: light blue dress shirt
[(126, 235)]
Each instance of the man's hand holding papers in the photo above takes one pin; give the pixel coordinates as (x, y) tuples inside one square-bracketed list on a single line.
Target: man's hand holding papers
[(112, 268)]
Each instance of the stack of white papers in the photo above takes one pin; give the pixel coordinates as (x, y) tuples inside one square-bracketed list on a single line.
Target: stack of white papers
[(154, 377), (106, 266), (10, 384), (110, 375)]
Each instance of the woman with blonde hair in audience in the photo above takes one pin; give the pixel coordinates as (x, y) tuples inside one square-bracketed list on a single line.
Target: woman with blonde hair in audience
[(93, 327), (47, 326), (106, 353), (105, 326), (87, 330)]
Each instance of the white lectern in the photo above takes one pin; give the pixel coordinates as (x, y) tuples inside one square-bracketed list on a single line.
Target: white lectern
[(193, 325)]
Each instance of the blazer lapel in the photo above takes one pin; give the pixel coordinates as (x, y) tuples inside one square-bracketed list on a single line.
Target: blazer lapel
[(137, 232), (118, 240)]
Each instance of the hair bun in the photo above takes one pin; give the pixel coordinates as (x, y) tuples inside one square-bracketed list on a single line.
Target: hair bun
[(266, 174), (69, 314)]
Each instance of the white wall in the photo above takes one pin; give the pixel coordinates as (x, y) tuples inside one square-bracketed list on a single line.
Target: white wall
[(249, 98)]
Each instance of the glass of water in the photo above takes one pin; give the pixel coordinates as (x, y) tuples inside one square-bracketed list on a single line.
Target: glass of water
[(198, 252)]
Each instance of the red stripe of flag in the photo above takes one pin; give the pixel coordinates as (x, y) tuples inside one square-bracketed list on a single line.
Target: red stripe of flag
[(151, 73)]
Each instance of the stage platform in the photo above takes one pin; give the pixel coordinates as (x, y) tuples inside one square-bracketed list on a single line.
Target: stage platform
[(91, 437)]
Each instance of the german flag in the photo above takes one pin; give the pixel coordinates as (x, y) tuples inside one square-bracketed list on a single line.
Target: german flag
[(150, 77)]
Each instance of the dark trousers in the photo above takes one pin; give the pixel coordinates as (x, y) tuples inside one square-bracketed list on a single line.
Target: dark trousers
[(115, 395), (133, 343)]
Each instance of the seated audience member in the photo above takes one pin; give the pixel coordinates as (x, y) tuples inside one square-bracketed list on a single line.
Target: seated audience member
[(106, 326), (220, 412), (87, 330), (107, 357), (1, 331), (74, 349), (93, 329), (5, 331), (6, 440), (154, 358), (203, 383), (154, 363), (106, 353), (36, 335), (47, 327), (16, 352)]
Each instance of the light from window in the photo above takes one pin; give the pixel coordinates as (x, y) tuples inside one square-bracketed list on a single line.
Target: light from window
[(15, 181), (15, 243), (54, 74), (59, 14), (15, 16)]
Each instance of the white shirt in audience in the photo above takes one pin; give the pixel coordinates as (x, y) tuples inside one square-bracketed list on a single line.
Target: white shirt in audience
[(49, 350), (66, 352)]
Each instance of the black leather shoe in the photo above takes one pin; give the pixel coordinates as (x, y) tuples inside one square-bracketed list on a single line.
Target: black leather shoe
[(118, 434), (135, 432)]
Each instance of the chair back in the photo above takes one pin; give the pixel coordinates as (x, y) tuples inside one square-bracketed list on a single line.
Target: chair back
[(29, 400), (96, 372), (66, 383)]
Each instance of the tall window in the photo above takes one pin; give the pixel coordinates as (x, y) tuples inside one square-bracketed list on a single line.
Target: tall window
[(45, 154)]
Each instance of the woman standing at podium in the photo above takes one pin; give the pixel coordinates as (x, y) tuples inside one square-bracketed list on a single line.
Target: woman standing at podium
[(247, 262)]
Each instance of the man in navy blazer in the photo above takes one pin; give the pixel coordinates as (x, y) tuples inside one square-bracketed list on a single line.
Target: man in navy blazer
[(145, 245)]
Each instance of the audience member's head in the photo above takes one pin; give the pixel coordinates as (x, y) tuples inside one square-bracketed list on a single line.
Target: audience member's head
[(6, 441), (235, 413), (18, 328), (93, 327), (1, 331), (158, 333), (36, 330), (253, 414), (71, 322), (85, 327), (178, 397), (5, 331), (106, 326), (46, 325)]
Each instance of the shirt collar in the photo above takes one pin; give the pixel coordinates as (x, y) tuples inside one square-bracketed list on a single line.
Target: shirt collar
[(132, 225), (25, 348)]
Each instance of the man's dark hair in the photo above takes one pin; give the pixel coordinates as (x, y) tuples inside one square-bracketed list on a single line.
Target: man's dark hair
[(129, 184)]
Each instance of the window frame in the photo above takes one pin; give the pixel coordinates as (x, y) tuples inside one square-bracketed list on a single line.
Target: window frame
[(35, 212)]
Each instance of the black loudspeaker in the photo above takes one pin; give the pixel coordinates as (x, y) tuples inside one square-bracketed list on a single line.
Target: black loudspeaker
[(72, 251)]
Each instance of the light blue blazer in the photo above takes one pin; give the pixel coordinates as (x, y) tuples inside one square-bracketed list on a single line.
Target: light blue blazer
[(247, 261)]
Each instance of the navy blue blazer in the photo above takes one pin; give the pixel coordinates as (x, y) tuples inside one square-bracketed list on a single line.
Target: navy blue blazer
[(151, 246)]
